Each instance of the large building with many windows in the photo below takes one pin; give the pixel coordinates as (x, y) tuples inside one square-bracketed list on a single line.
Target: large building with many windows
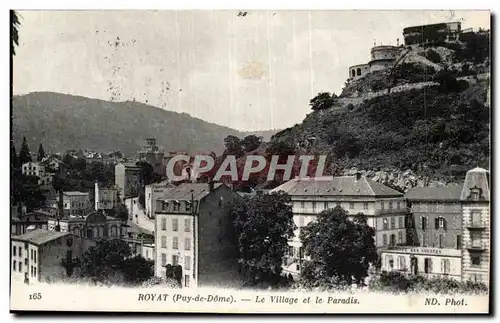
[(193, 229), (448, 232), (385, 208)]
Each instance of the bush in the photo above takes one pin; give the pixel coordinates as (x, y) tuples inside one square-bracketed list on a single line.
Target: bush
[(433, 56)]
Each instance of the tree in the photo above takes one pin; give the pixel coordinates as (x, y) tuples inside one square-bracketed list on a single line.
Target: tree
[(340, 248), (120, 211), (137, 269), (233, 146), (263, 226), (13, 156), (29, 192), (251, 142), (105, 259), (323, 100), (14, 29), (24, 153), (41, 153)]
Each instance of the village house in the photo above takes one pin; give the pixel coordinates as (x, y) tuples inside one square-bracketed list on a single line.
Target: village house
[(449, 232), (33, 169), (42, 255), (128, 180), (75, 203), (192, 229), (24, 222), (154, 192), (105, 198)]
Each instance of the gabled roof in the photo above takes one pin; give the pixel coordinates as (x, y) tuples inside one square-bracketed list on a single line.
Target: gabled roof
[(438, 193), (336, 186), (39, 236)]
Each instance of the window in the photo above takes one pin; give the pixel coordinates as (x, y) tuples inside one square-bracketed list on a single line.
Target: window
[(401, 222), (186, 280), (164, 224), (175, 224), (390, 205), (441, 241), (187, 225), (400, 237), (445, 266), (428, 265), (175, 260), (475, 260), (384, 240), (440, 223), (31, 271), (402, 263), (314, 206), (187, 244), (393, 240), (382, 205), (14, 250), (474, 194), (365, 206), (325, 205), (390, 262), (175, 243), (476, 239), (302, 205), (163, 259), (476, 217), (163, 241), (351, 205), (188, 205), (399, 206), (393, 222), (20, 251), (423, 221), (20, 266), (187, 263), (386, 224), (14, 265), (459, 241)]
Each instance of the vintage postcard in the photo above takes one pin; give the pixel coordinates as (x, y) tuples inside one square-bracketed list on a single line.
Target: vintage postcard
[(246, 161)]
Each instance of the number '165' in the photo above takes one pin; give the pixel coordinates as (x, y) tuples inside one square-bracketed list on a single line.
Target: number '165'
[(36, 296)]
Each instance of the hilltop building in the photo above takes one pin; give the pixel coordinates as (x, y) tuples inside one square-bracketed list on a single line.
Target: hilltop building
[(449, 232), (192, 229), (385, 208), (42, 255), (128, 180), (442, 32), (382, 57), (151, 154)]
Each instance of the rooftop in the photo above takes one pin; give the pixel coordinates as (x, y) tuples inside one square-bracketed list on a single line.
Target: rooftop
[(39, 236), (336, 186), (75, 193), (183, 191), (438, 193)]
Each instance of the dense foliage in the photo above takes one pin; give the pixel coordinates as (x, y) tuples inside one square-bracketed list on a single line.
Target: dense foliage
[(340, 247)]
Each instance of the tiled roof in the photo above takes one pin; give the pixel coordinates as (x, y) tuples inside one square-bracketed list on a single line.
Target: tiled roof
[(183, 191), (336, 186), (40, 236), (437, 193)]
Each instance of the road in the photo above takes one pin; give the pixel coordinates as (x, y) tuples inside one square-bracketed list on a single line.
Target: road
[(138, 216)]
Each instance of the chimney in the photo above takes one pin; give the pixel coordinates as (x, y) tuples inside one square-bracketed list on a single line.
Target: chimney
[(357, 176), (210, 185)]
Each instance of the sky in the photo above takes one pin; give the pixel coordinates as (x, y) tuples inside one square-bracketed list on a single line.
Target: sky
[(252, 72)]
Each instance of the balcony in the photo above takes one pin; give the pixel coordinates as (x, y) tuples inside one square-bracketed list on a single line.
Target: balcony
[(476, 246), (475, 225)]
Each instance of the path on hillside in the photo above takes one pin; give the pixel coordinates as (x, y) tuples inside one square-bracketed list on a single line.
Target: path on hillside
[(141, 220)]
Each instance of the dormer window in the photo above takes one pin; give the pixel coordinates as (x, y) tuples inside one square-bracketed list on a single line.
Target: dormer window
[(475, 193)]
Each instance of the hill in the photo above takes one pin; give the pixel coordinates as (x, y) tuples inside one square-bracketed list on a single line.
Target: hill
[(428, 116), (61, 122)]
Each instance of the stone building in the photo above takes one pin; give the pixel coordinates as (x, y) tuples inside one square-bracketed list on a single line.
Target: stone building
[(192, 229), (153, 155), (75, 203), (359, 70), (33, 169), (24, 222), (385, 208), (128, 180), (449, 232), (152, 193), (432, 33), (381, 57), (42, 255), (95, 226), (105, 198)]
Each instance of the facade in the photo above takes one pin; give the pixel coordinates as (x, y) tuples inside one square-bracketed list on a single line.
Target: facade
[(448, 232), (24, 222), (127, 180), (43, 256), (33, 169), (383, 57), (357, 71), (192, 229), (148, 251), (95, 226), (151, 154), (75, 203), (51, 162), (385, 208), (105, 198), (45, 181), (152, 193), (432, 33)]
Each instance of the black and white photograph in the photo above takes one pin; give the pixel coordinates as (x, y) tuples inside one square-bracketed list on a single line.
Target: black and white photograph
[(250, 161)]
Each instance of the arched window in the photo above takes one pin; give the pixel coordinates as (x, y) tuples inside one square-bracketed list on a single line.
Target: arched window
[(89, 232), (353, 72), (358, 71), (101, 231)]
